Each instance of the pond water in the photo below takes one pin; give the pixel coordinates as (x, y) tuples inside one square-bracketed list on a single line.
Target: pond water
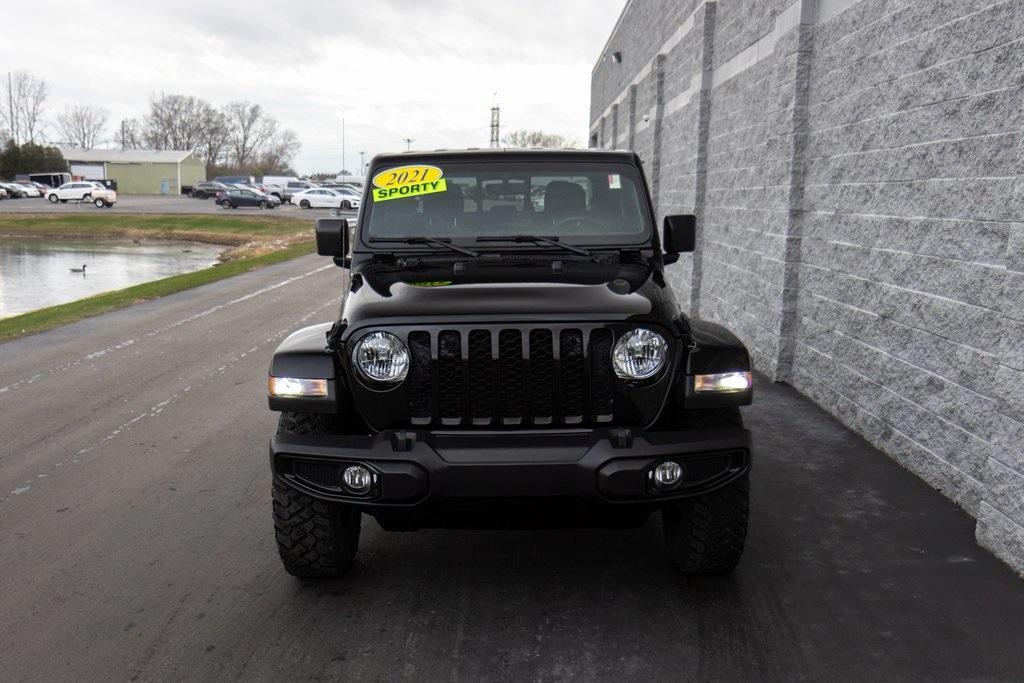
[(35, 273)]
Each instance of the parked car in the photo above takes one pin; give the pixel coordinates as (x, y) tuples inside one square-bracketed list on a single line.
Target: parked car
[(279, 180), (13, 191), (83, 191), (326, 198), (232, 179), (278, 191), (234, 197), (295, 186), (350, 187), (207, 188), (29, 190), (3, 193)]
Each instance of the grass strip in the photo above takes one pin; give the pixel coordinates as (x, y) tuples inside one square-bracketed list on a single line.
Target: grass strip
[(48, 318), (231, 230), (117, 224)]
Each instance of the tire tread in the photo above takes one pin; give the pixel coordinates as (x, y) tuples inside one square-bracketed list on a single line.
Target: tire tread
[(315, 538)]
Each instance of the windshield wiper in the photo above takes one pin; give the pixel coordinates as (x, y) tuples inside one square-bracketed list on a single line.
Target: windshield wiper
[(536, 239), (446, 243)]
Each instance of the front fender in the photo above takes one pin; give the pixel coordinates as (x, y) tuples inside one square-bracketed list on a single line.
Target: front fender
[(304, 354), (714, 349)]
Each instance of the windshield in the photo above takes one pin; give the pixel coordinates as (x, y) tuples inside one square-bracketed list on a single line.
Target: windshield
[(579, 202)]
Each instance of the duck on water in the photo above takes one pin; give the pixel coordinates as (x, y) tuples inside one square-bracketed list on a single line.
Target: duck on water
[(79, 270)]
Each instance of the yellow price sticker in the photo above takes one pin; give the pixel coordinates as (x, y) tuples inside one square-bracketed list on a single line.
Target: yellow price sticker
[(408, 181), (383, 194)]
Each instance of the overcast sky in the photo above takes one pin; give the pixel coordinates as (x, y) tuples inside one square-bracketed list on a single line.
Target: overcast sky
[(391, 68)]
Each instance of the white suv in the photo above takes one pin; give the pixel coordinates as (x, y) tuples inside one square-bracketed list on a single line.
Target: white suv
[(83, 191)]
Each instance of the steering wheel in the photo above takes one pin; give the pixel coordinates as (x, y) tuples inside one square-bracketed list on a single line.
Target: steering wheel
[(579, 221)]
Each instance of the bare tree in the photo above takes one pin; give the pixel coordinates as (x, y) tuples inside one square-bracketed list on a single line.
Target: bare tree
[(279, 153), (536, 138), (177, 122), (24, 97), (130, 134), (82, 124), (212, 148), (250, 131)]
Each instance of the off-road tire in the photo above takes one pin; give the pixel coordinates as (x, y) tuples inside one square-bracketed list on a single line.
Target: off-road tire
[(316, 539), (706, 534)]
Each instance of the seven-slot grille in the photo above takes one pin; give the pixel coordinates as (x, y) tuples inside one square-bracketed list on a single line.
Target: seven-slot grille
[(501, 376)]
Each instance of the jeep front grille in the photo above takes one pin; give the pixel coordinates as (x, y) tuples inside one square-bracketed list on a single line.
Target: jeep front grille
[(500, 376)]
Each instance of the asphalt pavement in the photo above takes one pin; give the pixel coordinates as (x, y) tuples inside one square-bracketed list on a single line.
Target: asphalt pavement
[(136, 540), (157, 204)]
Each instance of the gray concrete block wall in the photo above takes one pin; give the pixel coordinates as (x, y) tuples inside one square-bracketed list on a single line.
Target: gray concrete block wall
[(856, 169)]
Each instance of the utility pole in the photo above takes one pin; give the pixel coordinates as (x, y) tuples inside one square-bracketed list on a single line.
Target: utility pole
[(343, 163), (495, 125), (12, 117), (362, 163), (408, 143)]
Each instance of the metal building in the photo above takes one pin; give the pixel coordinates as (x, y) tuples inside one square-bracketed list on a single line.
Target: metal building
[(137, 171)]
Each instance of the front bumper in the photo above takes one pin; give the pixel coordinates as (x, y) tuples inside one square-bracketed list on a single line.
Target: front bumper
[(421, 470)]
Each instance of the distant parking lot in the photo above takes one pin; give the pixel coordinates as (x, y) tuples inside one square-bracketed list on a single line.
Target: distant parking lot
[(169, 204)]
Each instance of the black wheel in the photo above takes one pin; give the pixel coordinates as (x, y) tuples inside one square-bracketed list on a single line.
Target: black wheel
[(226, 204), (264, 204), (304, 204), (346, 205), (315, 539), (200, 195), (53, 199), (706, 534)]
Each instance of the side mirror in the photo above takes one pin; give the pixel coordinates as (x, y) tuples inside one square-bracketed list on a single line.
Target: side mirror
[(680, 235), (332, 237)]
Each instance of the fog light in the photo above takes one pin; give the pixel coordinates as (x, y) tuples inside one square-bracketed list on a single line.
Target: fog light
[(668, 474), (357, 479)]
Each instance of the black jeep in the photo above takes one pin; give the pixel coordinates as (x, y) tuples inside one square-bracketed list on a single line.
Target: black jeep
[(509, 355)]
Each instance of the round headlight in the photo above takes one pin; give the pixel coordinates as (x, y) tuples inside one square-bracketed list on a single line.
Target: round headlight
[(639, 354), (381, 357)]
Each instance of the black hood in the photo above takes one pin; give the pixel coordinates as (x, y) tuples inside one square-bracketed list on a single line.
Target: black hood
[(383, 300)]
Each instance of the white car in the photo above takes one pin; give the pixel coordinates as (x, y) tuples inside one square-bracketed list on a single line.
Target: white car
[(83, 191), (325, 198), (29, 190)]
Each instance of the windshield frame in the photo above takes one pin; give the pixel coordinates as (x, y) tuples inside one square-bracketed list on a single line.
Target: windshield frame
[(646, 238)]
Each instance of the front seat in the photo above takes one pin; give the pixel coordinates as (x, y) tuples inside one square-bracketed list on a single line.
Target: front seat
[(444, 209), (400, 218), (563, 199)]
